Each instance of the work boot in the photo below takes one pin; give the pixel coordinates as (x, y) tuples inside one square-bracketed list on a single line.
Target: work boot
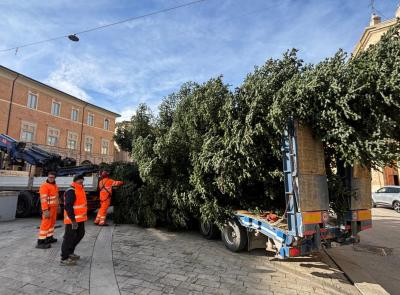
[(74, 257), (50, 240), (41, 244), (68, 262)]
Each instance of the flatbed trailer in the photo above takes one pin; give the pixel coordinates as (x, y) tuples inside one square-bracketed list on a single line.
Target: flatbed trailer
[(307, 224), (28, 188)]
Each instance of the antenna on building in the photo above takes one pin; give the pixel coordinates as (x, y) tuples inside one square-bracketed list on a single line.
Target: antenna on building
[(375, 18), (372, 5)]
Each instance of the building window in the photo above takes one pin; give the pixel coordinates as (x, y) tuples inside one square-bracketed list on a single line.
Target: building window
[(104, 146), (90, 120), (72, 140), (32, 101), (106, 124), (55, 108), (88, 144), (74, 115), (53, 135), (28, 132)]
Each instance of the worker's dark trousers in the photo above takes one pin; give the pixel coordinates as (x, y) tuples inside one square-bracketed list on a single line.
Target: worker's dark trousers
[(71, 239)]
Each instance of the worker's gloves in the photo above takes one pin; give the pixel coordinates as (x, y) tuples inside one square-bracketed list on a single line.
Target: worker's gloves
[(46, 214), (74, 225)]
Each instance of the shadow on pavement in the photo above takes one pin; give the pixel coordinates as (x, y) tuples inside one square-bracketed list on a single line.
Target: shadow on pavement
[(374, 264)]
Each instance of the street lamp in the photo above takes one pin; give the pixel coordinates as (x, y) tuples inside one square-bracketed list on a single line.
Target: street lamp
[(73, 38)]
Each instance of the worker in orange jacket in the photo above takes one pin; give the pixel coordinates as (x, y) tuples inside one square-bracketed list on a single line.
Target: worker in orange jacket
[(49, 203), (75, 216), (105, 187)]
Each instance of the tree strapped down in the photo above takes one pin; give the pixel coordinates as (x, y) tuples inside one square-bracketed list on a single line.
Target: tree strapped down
[(211, 150)]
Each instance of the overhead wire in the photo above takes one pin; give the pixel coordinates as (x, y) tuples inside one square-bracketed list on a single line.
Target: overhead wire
[(138, 17), (16, 48), (381, 13), (374, 10)]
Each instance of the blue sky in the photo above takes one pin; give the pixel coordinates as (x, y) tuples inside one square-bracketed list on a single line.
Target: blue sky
[(145, 60)]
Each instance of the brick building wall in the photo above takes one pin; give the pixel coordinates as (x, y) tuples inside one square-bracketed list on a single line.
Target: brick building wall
[(55, 120)]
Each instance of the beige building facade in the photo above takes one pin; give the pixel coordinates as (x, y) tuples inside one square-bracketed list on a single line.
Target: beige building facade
[(372, 34)]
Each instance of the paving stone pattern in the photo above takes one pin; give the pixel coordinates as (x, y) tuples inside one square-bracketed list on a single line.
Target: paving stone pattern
[(152, 261), (26, 270)]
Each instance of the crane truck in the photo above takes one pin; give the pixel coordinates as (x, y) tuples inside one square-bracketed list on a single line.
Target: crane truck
[(19, 153), (306, 226)]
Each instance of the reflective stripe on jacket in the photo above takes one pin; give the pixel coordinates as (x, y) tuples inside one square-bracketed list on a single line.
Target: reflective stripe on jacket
[(105, 187), (80, 204), (48, 195)]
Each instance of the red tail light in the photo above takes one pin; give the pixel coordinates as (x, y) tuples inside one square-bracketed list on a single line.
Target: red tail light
[(294, 252)]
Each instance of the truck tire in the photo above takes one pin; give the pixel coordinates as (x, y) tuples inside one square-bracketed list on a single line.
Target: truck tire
[(60, 212), (234, 236), (24, 205), (209, 230)]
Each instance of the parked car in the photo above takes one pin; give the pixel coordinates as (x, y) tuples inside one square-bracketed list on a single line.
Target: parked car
[(387, 196)]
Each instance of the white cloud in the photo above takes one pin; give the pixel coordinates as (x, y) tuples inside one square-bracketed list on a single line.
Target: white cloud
[(68, 87), (126, 114), (145, 60), (67, 79)]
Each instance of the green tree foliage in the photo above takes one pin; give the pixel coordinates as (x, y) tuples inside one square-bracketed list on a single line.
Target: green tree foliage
[(351, 105), (211, 149), (140, 125), (124, 136)]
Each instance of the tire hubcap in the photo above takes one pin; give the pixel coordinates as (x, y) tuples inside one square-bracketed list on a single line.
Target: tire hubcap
[(231, 235)]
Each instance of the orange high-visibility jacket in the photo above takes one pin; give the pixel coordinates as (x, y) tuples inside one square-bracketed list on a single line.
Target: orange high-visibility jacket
[(48, 195), (105, 187), (80, 205)]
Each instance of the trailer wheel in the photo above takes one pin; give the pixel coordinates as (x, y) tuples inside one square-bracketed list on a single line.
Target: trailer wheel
[(209, 230), (60, 211), (234, 236), (24, 205)]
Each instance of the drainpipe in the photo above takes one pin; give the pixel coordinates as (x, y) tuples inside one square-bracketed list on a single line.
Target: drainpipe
[(11, 101), (8, 119), (80, 142)]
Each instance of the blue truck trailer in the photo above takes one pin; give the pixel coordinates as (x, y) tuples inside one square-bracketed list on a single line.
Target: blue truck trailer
[(308, 223)]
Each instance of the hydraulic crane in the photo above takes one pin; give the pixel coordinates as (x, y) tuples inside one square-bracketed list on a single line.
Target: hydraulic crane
[(19, 153)]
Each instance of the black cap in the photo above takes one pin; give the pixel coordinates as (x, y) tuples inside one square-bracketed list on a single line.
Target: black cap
[(77, 177)]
